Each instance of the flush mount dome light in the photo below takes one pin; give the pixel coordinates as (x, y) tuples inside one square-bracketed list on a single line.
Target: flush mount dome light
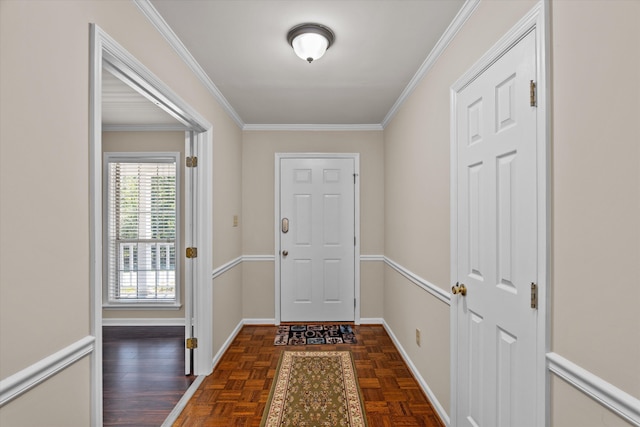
[(310, 41)]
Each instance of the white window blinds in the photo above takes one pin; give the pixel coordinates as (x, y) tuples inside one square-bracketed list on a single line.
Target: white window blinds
[(141, 230)]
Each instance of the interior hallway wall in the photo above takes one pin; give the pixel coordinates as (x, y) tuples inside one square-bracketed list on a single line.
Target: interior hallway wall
[(595, 201), (44, 209), (258, 221)]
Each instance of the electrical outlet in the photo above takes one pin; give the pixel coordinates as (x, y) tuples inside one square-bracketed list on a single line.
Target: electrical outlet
[(418, 337)]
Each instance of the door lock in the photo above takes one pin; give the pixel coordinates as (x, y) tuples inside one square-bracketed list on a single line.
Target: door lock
[(285, 253), (285, 225)]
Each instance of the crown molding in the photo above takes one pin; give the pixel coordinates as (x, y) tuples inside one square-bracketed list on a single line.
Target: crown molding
[(312, 127), (452, 30), (163, 28)]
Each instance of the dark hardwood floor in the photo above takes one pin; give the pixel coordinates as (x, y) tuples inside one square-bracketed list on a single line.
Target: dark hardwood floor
[(235, 394), (143, 374)]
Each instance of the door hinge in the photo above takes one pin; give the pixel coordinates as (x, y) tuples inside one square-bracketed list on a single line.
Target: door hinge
[(354, 303), (354, 241), (534, 295), (354, 177), (532, 94), (192, 252), (192, 162), (191, 343)]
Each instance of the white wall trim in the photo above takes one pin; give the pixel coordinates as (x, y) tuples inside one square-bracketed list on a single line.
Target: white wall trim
[(371, 321), (269, 322), (225, 346), (312, 127), (458, 22), (165, 30), (421, 381), (225, 267), (28, 378), (606, 394), (372, 258), (134, 321), (251, 258), (434, 290), (182, 403)]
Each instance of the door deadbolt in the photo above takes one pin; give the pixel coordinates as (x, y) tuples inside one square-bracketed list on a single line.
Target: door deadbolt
[(285, 225)]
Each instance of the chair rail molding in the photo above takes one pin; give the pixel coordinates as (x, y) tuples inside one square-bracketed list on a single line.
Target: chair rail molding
[(28, 378), (434, 290), (606, 394), (225, 267)]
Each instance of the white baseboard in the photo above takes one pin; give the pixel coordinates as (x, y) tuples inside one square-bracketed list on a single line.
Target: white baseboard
[(177, 321), (225, 346), (28, 378), (606, 394), (182, 403), (371, 321), (423, 384), (259, 322)]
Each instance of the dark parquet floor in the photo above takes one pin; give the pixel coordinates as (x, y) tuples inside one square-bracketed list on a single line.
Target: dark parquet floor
[(143, 374), (236, 393)]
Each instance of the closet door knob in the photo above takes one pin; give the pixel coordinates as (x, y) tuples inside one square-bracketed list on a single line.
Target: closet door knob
[(459, 289)]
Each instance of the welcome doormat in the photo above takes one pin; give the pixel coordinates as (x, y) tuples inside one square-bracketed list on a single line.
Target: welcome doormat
[(315, 388), (314, 334)]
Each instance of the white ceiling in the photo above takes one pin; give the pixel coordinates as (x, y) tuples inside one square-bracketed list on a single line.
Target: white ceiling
[(241, 46)]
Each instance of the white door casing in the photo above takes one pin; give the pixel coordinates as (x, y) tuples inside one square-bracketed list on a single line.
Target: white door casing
[(105, 50), (317, 254), (498, 226)]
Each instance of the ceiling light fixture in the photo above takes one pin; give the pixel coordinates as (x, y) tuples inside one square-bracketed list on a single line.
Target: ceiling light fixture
[(310, 41)]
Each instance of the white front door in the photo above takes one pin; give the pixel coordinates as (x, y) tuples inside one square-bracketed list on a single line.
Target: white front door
[(494, 323), (317, 232)]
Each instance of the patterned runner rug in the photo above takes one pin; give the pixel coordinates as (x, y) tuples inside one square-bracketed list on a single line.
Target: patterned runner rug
[(314, 334), (315, 388)]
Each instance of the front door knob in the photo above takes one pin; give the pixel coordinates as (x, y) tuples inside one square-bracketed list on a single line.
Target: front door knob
[(285, 253), (459, 289)]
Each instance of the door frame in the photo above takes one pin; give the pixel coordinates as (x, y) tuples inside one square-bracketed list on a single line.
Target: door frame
[(536, 20), (105, 50), (356, 213)]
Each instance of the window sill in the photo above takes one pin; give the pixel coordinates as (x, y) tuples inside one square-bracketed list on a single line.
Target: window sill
[(143, 306)]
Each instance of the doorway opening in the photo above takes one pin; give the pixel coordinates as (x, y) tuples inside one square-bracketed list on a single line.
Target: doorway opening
[(112, 64)]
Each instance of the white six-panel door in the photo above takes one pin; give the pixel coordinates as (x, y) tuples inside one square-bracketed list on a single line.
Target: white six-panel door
[(495, 364), (317, 248)]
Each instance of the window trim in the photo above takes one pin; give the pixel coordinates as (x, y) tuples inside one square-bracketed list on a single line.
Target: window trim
[(141, 157)]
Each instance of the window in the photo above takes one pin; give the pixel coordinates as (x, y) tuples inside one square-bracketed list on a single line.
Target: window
[(141, 229)]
